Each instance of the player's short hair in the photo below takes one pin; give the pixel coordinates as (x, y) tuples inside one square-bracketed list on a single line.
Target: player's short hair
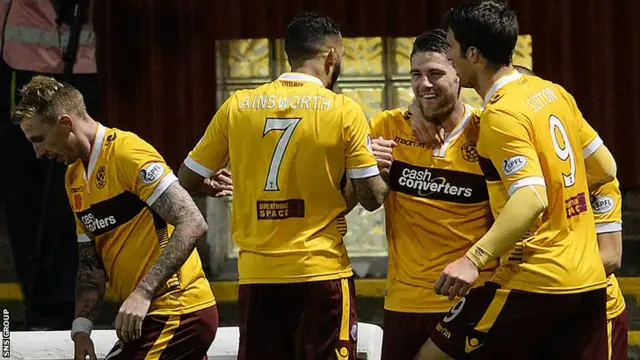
[(488, 25), (47, 98), (434, 40), (306, 34), (523, 70)]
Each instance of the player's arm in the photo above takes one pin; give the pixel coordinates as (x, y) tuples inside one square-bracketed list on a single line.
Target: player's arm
[(177, 208), (91, 282), (513, 154), (144, 172), (607, 210), (362, 169), (209, 155)]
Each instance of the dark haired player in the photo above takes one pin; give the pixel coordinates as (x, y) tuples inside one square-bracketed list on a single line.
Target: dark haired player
[(547, 299), (289, 144)]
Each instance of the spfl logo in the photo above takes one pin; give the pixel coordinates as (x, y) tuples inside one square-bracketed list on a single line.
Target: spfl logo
[(602, 204), (151, 173), (513, 164)]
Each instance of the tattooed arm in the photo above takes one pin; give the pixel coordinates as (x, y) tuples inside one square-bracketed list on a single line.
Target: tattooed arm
[(177, 208), (370, 191), (90, 282)]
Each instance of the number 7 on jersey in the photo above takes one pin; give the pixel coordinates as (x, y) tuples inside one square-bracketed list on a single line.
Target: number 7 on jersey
[(287, 126)]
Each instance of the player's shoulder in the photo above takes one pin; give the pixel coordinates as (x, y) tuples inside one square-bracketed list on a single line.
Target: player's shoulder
[(392, 116), (73, 173)]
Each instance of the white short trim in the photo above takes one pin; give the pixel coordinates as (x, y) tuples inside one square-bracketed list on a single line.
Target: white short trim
[(161, 187), (592, 147), (197, 167), (608, 227), (363, 172), (531, 180), (83, 238)]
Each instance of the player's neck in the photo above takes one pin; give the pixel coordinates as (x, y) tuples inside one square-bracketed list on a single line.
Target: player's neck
[(455, 116), (489, 77), (87, 130), (310, 69)]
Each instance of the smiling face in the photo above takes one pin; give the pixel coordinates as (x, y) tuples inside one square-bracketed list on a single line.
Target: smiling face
[(56, 142), (434, 82)]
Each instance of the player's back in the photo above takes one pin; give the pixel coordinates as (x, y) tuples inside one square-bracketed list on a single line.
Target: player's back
[(560, 253), (287, 147)]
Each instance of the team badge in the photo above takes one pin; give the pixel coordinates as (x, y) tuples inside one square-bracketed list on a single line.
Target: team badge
[(151, 173), (469, 151), (101, 177)]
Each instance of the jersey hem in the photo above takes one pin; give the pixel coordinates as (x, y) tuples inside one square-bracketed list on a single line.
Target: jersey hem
[(184, 310), (557, 290), (300, 279), (616, 313), (424, 310)]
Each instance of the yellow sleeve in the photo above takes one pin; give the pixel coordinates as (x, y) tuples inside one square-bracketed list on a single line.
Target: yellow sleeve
[(606, 202), (142, 170), (360, 161), (212, 151), (508, 145)]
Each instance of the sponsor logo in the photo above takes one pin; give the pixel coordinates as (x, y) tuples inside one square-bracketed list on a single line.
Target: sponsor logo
[(603, 204), (495, 98), (471, 344), (438, 184), (92, 224), (101, 177), (469, 151), (369, 144), (443, 331), (151, 173), (280, 209), (513, 164), (409, 142), (576, 205), (354, 331), (75, 190)]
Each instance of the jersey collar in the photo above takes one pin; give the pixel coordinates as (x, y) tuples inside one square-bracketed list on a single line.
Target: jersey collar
[(95, 150), (294, 76), (515, 75)]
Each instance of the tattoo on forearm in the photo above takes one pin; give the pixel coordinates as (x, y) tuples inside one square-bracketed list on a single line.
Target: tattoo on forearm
[(90, 283), (177, 208)]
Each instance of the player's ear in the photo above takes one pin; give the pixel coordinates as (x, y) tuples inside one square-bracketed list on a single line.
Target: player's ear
[(473, 54), (331, 60), (65, 121)]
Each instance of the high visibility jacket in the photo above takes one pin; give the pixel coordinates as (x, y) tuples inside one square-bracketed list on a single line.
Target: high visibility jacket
[(33, 41)]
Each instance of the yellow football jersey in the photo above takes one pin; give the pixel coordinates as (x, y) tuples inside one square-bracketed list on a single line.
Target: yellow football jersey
[(606, 202), (532, 133), (437, 208), (111, 200), (289, 143)]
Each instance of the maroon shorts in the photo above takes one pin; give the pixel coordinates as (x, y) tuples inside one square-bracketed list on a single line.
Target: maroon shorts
[(171, 337), (404, 333), (617, 329), (492, 323), (312, 321)]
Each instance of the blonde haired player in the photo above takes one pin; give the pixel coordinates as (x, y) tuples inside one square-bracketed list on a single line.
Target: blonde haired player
[(137, 229)]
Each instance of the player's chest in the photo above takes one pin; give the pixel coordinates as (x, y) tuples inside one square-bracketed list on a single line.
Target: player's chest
[(450, 173)]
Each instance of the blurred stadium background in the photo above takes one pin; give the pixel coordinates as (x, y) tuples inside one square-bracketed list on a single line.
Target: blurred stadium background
[(164, 69)]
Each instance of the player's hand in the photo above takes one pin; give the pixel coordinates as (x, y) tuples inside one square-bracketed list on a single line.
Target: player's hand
[(427, 132), (83, 347), (131, 314), (457, 278), (383, 151), (219, 184)]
